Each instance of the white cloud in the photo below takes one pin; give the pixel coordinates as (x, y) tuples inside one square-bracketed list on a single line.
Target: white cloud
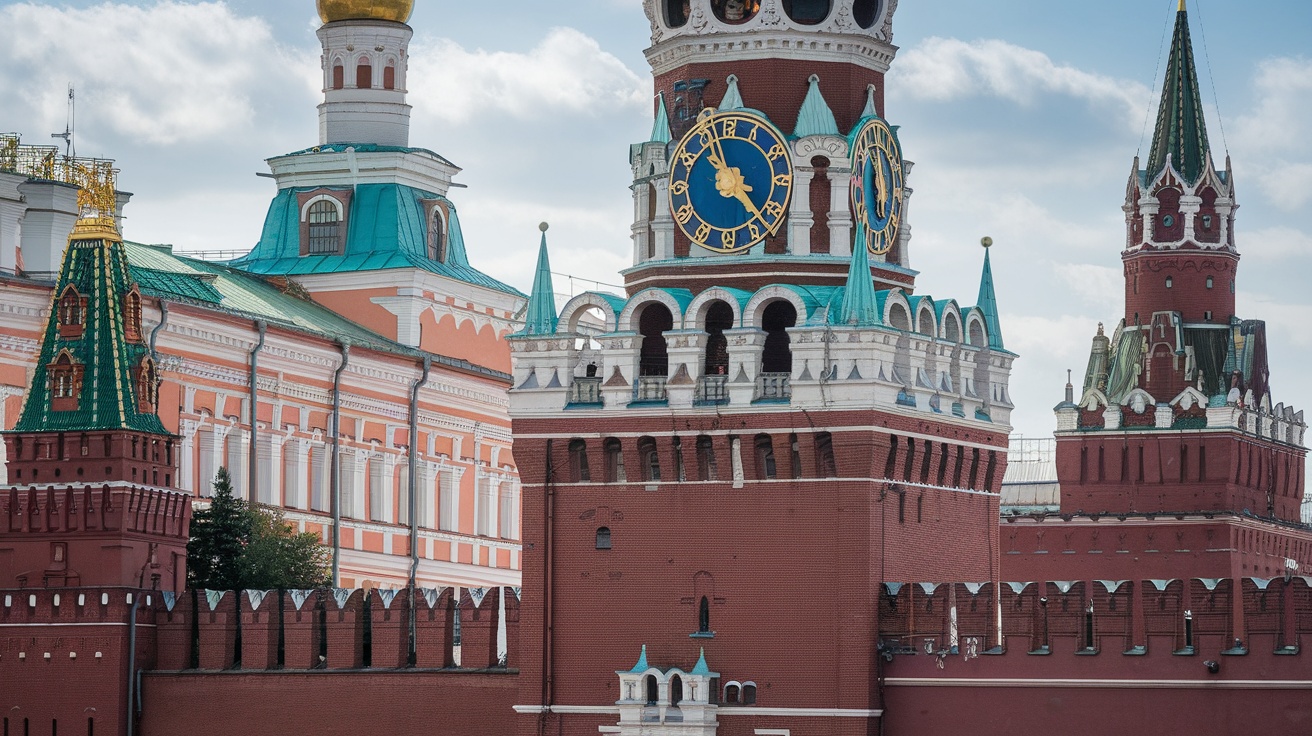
[(1099, 286), (567, 71), (1275, 243), (160, 74), (1286, 323), (946, 69), (1275, 139)]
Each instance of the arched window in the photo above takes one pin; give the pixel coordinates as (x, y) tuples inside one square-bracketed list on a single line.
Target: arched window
[(324, 223), (735, 11), (651, 459), (925, 323), (65, 376), (653, 689), (578, 462), (132, 315), (864, 12), (704, 616), (147, 385), (899, 318), (437, 236), (339, 75), (977, 337), (614, 461), (603, 537), (807, 12), (777, 356), (1209, 282), (677, 12), (732, 693), (749, 693), (951, 328), (676, 691), (1170, 282), (70, 307), (706, 469), (765, 464), (389, 76), (654, 321), (364, 74), (825, 464), (719, 317)]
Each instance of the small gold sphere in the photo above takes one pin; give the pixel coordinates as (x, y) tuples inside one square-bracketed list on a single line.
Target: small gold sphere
[(986, 241), (543, 226), (396, 11)]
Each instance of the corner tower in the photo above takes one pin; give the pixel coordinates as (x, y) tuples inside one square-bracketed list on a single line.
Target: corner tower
[(366, 49)]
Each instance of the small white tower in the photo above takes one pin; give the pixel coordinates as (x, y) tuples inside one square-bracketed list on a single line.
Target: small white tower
[(365, 55)]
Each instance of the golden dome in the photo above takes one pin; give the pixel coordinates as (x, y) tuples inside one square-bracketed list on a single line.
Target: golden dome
[(397, 11)]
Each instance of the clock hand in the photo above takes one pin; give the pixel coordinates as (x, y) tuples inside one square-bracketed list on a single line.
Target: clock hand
[(740, 192)]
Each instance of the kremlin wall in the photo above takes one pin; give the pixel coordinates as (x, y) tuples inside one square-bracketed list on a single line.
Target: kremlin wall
[(760, 493)]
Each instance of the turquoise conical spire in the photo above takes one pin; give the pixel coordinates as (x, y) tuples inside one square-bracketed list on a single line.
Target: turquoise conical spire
[(701, 667), (1181, 128), (642, 665), (869, 110), (660, 130), (541, 318), (733, 99), (815, 117), (988, 299), (859, 305)]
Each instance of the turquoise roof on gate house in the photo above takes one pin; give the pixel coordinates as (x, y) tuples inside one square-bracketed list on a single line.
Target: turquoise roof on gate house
[(387, 228)]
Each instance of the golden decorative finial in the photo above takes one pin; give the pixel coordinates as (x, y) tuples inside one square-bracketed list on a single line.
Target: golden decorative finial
[(986, 241), (543, 226), (1181, 6)]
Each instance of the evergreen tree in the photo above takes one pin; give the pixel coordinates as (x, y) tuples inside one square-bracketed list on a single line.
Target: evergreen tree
[(236, 547)]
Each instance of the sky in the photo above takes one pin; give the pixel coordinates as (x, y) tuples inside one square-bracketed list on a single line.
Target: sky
[(1023, 118)]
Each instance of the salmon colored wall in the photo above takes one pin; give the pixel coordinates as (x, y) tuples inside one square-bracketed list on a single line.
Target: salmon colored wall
[(357, 303), (482, 347)]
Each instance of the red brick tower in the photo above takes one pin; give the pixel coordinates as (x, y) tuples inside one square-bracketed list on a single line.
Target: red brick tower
[(92, 519), (725, 464), (1174, 461)]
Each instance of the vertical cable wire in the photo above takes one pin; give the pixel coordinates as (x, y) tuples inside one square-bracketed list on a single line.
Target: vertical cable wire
[(1148, 114), (1216, 101)]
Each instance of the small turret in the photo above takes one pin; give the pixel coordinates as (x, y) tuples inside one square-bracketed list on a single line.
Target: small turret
[(988, 299)]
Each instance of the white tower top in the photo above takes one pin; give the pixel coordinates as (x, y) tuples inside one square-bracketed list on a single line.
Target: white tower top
[(364, 80)]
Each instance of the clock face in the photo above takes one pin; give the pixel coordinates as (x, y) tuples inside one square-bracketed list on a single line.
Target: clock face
[(877, 189), (730, 181)]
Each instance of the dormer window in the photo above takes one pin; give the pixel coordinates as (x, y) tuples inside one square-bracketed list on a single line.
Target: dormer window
[(132, 315), (437, 235), (72, 313), (65, 377), (147, 386), (323, 221)]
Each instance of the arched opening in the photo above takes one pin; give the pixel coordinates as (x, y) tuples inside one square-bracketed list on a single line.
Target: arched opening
[(719, 317), (339, 75), (706, 469), (614, 461), (977, 338), (70, 307), (825, 464), (1209, 282), (735, 11), (324, 223), (677, 12), (807, 12), (437, 236), (603, 537), (578, 461), (132, 316), (704, 616), (925, 322), (389, 76), (732, 693), (1170, 225), (364, 74), (899, 318), (864, 12), (653, 689), (749, 693), (651, 459), (1170, 282), (951, 328), (653, 322), (777, 356), (676, 691), (147, 385), (765, 464)]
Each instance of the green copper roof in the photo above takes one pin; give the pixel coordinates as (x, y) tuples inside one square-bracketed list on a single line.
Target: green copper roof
[(701, 667), (1181, 129), (815, 117), (869, 110), (94, 265), (660, 130), (859, 307), (387, 228), (733, 99), (541, 318), (642, 665), (988, 304)]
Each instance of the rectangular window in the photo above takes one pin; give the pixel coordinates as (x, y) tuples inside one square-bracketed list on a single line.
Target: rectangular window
[(509, 511), (377, 490), (449, 508), (319, 477), (484, 503)]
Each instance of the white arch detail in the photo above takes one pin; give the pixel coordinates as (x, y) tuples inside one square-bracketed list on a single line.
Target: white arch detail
[(642, 299), (695, 313), (773, 293), (575, 308)]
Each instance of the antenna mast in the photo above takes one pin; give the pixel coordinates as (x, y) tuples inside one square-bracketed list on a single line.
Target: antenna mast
[(70, 147)]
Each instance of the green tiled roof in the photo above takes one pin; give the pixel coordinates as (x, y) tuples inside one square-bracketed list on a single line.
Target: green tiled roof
[(97, 268), (386, 228), (1181, 130)]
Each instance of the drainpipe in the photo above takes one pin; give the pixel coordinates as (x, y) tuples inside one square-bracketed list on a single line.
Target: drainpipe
[(414, 497), (253, 463), (334, 481), (154, 334), (132, 663)]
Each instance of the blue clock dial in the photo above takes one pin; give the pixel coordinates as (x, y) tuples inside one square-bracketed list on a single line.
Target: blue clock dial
[(878, 187), (730, 181)]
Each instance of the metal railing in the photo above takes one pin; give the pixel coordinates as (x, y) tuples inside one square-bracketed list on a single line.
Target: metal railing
[(713, 389), (650, 388), (774, 387), (585, 391)]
